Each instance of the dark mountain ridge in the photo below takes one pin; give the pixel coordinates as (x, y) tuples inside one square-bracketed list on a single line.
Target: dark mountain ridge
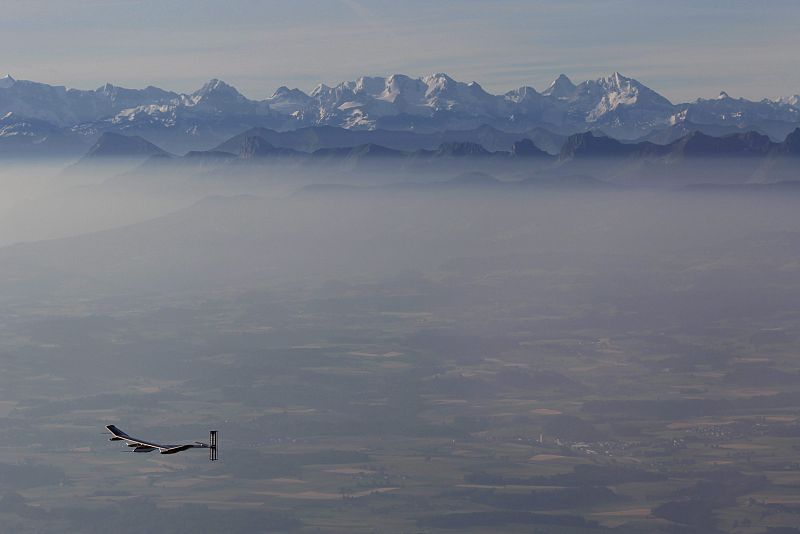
[(739, 158), (113, 145), (693, 145), (312, 138)]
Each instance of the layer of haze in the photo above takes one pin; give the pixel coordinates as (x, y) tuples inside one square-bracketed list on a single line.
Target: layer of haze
[(374, 338), (683, 49)]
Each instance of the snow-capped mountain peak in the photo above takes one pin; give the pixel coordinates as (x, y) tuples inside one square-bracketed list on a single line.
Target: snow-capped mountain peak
[(218, 97), (215, 86), (6, 82), (401, 87), (618, 82), (522, 94), (371, 85), (793, 100), (445, 92), (437, 84), (284, 92), (320, 89), (629, 90), (288, 101), (561, 87)]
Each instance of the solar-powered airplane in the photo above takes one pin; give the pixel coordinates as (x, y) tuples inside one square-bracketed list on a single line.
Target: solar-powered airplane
[(140, 445)]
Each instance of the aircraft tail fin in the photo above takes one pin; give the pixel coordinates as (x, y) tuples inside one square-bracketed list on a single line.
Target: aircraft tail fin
[(212, 445)]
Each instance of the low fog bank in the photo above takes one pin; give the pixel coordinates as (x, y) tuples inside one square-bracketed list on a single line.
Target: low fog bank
[(43, 200), (51, 200), (21, 181), (321, 233), (56, 199)]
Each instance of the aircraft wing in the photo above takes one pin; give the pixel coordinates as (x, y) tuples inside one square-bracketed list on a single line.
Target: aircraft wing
[(140, 444), (178, 448)]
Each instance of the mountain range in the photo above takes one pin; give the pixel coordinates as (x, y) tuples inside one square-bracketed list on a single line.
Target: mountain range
[(37, 118), (738, 158)]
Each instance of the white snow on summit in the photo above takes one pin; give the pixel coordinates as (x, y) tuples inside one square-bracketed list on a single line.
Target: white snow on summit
[(793, 101), (6, 82), (561, 87)]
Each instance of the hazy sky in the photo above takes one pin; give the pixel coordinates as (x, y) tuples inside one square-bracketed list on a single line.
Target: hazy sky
[(680, 48)]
